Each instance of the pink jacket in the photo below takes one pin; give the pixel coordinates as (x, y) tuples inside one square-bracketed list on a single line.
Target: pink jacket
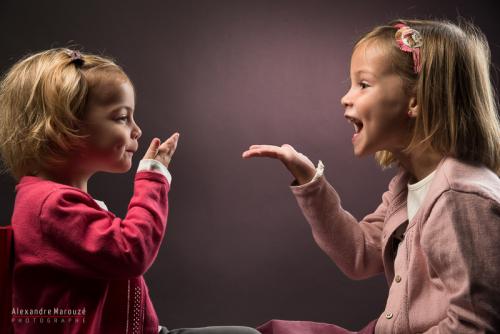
[(83, 264), (447, 277)]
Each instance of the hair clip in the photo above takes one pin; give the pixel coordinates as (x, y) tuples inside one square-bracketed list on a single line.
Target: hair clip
[(76, 57), (410, 40)]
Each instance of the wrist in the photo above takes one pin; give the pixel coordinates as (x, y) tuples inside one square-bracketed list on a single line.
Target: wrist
[(313, 176), (304, 179), (154, 166)]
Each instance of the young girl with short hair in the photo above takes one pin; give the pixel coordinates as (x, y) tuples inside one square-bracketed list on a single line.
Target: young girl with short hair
[(78, 268)]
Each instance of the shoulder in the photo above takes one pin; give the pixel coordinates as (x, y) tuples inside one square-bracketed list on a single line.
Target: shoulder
[(465, 194), (37, 199), (70, 205), (66, 195), (463, 191), (467, 178), (38, 193)]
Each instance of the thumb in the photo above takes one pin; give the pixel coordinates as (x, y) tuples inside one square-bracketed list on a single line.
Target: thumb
[(153, 149)]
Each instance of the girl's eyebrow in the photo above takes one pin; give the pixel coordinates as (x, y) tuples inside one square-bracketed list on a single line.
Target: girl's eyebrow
[(359, 72), (120, 107)]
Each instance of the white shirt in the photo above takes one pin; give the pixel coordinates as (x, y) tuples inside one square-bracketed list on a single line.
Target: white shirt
[(416, 194), (415, 197)]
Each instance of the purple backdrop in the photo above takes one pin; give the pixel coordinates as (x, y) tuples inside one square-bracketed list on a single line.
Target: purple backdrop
[(228, 74)]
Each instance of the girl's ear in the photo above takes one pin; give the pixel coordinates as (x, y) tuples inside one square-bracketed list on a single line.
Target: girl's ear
[(413, 107)]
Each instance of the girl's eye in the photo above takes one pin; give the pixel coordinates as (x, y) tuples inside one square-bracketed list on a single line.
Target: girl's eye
[(363, 85), (122, 119)]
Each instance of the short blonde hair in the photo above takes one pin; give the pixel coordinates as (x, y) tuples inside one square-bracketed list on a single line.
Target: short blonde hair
[(458, 112), (43, 100)]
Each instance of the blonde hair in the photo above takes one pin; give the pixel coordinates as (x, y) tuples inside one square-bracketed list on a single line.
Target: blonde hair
[(43, 100), (458, 113)]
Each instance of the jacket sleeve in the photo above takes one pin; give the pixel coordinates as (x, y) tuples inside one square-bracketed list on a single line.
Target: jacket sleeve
[(356, 247), (460, 239), (86, 240)]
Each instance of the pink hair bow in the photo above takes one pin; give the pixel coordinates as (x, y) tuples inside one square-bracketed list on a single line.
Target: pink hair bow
[(410, 40)]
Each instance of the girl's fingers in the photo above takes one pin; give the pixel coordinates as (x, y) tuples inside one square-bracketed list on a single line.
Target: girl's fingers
[(254, 153), (272, 147), (172, 140), (170, 144), (254, 146), (247, 154), (298, 164), (152, 149), (268, 151), (265, 147), (262, 146), (175, 136)]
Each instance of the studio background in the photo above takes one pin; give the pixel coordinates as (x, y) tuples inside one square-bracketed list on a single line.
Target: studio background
[(228, 74)]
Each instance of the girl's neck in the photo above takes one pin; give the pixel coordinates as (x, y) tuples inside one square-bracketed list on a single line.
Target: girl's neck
[(419, 163), (70, 176)]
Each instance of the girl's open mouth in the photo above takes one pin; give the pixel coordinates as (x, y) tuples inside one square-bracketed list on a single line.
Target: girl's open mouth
[(358, 126)]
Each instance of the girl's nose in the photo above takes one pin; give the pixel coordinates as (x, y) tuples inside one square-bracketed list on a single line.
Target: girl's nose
[(136, 132), (346, 101)]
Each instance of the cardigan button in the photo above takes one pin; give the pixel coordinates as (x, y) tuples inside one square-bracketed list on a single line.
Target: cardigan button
[(397, 278), (388, 315)]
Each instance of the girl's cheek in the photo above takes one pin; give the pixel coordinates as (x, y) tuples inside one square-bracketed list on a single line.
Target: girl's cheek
[(120, 148)]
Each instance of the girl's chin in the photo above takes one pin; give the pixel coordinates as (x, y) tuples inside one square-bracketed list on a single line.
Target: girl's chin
[(358, 145), (120, 167), (126, 167), (362, 151), (360, 154), (359, 149)]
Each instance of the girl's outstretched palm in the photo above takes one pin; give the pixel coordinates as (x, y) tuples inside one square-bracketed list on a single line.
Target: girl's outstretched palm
[(297, 163), (164, 152)]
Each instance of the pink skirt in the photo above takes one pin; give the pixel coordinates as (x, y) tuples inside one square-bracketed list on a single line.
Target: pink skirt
[(309, 327)]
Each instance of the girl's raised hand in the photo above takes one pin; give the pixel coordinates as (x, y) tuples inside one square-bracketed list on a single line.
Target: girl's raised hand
[(298, 164), (164, 152)]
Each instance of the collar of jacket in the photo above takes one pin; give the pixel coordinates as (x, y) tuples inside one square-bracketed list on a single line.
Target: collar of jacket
[(397, 213)]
